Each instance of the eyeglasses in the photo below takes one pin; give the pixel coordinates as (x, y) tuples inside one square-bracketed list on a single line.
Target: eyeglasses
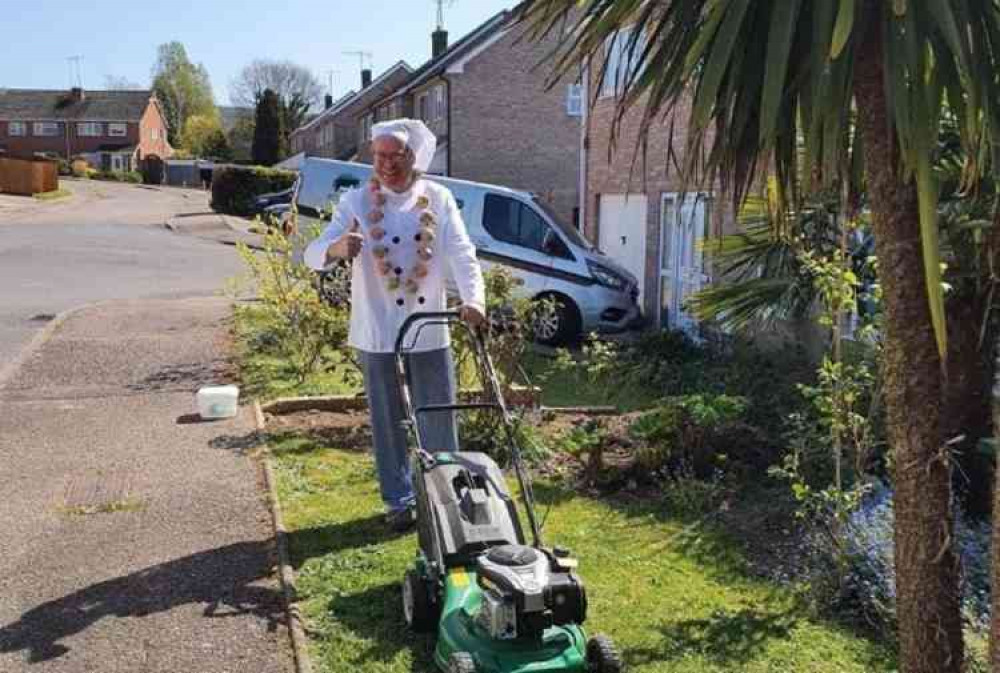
[(392, 157)]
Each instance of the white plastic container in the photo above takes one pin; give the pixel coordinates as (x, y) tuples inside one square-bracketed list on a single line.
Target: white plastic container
[(218, 401)]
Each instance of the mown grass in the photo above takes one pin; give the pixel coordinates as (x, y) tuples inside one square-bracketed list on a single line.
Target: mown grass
[(670, 590)]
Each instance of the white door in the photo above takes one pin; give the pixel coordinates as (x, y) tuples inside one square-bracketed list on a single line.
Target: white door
[(622, 226), (116, 162), (682, 261)]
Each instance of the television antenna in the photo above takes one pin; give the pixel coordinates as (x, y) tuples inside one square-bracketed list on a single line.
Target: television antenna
[(362, 55), (331, 76), (75, 72), (440, 11)]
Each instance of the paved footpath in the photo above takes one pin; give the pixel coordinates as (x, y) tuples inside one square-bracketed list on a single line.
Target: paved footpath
[(133, 538)]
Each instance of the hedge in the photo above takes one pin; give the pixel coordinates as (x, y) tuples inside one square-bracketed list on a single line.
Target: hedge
[(234, 188), (134, 177)]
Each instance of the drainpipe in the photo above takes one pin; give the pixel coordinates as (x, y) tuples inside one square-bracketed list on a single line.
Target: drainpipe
[(66, 123), (447, 89), (584, 147)]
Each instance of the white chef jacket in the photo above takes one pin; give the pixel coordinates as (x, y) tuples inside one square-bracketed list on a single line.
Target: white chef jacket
[(377, 312)]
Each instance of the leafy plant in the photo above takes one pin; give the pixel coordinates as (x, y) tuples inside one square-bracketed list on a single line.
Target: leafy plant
[(687, 432), (308, 333), (510, 333)]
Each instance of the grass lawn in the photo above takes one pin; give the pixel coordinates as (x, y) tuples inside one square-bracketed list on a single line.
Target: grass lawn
[(53, 195), (672, 593)]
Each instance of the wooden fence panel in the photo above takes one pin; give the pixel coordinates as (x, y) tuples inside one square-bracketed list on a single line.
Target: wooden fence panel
[(26, 177)]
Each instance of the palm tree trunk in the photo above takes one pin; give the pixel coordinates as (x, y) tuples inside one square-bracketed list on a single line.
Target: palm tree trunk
[(927, 599), (995, 542)]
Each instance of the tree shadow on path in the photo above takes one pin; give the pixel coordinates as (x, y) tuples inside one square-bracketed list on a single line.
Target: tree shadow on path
[(226, 580)]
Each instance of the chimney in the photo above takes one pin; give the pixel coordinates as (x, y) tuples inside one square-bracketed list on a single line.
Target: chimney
[(439, 42), (366, 78), (329, 102), (76, 94)]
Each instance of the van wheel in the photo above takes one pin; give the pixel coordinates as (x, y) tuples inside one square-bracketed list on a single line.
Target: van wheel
[(560, 326)]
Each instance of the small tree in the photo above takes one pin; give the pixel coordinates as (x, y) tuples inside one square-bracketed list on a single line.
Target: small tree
[(267, 132), (201, 136)]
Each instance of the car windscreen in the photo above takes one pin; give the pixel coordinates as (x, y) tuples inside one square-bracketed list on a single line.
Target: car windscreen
[(570, 232)]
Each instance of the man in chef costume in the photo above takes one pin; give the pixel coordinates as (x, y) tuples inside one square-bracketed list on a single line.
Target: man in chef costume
[(405, 236)]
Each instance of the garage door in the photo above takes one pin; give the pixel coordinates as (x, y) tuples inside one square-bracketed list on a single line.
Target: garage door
[(622, 225)]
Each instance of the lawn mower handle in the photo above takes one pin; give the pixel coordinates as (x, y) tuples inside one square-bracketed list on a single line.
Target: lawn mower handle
[(491, 386), (413, 318)]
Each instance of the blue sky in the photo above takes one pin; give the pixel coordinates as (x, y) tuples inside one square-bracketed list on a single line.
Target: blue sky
[(119, 37)]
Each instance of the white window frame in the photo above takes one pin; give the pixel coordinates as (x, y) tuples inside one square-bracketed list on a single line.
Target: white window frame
[(618, 70), (440, 106), (366, 127), (117, 130), (574, 100), (423, 106), (89, 129), (154, 133), (22, 129), (45, 129)]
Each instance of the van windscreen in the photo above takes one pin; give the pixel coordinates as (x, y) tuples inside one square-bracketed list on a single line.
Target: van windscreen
[(571, 232)]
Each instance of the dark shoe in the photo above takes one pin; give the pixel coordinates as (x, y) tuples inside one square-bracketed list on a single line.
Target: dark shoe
[(401, 520)]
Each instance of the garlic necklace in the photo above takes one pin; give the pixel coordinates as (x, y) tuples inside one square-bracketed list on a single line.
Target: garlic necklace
[(424, 238)]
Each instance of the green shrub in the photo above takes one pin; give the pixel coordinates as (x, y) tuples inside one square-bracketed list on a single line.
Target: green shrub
[(234, 188), (693, 432), (293, 321), (134, 177), (671, 363)]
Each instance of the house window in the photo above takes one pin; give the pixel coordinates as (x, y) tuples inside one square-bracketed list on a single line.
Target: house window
[(89, 129), (154, 133), (440, 110), (422, 105), (623, 58), (117, 130), (366, 128), (574, 100), (17, 129), (45, 129)]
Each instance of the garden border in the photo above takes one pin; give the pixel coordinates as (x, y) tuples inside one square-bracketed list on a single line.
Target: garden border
[(300, 646)]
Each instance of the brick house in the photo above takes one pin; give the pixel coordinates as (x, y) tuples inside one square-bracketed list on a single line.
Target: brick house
[(635, 212), (495, 119), (113, 130), (333, 133)]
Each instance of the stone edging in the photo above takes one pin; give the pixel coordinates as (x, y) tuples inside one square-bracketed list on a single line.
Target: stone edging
[(300, 647)]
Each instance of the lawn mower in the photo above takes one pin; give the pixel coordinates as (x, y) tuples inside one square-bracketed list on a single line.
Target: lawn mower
[(496, 603)]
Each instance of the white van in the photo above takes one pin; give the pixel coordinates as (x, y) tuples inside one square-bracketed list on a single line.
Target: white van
[(514, 229)]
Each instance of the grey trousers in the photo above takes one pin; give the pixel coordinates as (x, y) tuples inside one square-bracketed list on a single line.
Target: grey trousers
[(432, 381)]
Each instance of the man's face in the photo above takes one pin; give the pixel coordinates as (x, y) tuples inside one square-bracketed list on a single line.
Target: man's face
[(393, 162)]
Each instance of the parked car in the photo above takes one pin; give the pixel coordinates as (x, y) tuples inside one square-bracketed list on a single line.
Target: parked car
[(514, 229), (264, 201)]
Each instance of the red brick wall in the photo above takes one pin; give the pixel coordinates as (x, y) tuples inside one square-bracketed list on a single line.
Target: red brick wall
[(627, 172), (152, 119), (508, 128), (26, 146)]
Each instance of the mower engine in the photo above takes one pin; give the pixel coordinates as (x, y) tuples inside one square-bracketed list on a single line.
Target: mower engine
[(526, 591)]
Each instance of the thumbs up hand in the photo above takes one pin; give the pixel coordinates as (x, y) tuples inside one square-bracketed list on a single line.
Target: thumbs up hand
[(349, 245)]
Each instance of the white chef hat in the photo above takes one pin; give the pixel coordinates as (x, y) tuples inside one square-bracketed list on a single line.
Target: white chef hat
[(414, 134)]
